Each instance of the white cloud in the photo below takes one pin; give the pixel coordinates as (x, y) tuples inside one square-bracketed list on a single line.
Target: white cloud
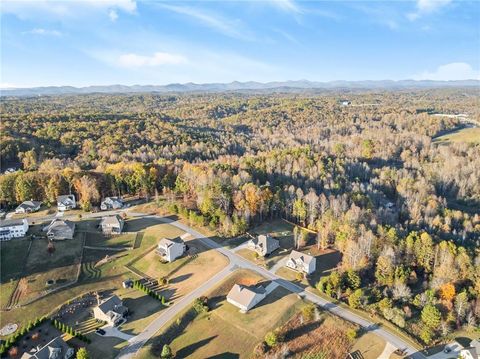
[(157, 59), (54, 9), (425, 7), (287, 5), (43, 32), (228, 27), (112, 14), (452, 71)]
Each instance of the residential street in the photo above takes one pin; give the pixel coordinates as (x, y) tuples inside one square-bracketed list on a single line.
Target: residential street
[(239, 262)]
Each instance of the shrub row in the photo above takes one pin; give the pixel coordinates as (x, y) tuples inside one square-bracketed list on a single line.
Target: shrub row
[(140, 286), (69, 330)]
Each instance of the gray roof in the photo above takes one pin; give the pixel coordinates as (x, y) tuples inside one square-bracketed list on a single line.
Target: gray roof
[(301, 257), (112, 220), (30, 204), (244, 295), (65, 198), (11, 222), (56, 345), (58, 223), (167, 242), (114, 303)]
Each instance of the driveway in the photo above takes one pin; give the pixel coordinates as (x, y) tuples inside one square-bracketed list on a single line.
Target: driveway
[(237, 261), (115, 332)]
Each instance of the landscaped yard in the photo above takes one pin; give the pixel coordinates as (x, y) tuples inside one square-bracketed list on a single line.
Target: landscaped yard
[(224, 331), (41, 265), (185, 273)]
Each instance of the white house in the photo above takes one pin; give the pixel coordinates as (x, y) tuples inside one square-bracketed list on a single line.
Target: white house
[(28, 207), (263, 244), (246, 297), (301, 262), (66, 202), (13, 228), (54, 349), (471, 352), (111, 310), (112, 224), (171, 249), (111, 203)]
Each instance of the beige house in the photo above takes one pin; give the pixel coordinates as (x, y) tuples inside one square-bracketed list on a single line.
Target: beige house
[(301, 262), (60, 229), (112, 224), (111, 310), (54, 349), (263, 244), (246, 297)]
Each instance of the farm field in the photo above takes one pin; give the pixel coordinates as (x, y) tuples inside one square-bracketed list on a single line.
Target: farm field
[(467, 135), (224, 331), (40, 266)]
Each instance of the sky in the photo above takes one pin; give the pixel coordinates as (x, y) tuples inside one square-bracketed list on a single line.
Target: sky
[(104, 42)]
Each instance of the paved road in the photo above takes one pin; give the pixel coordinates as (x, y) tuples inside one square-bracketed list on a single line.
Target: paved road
[(237, 261), (135, 343)]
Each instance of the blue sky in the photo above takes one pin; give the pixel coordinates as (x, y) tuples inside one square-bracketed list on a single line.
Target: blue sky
[(89, 42)]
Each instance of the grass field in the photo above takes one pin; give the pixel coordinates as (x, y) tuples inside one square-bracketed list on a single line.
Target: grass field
[(369, 346), (96, 239), (41, 265), (186, 273), (12, 254), (468, 135), (224, 332)]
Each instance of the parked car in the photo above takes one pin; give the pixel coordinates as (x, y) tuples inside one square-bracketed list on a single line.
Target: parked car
[(100, 331)]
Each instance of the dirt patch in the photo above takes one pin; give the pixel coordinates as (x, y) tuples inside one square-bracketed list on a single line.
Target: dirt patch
[(326, 336)]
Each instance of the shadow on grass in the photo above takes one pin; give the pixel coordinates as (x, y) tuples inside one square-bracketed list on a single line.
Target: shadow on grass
[(180, 278), (192, 348), (226, 355)]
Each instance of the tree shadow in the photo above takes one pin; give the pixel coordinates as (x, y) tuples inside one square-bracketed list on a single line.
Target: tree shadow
[(226, 355), (190, 349), (180, 278)]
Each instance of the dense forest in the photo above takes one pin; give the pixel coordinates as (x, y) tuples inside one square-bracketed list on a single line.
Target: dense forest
[(367, 178)]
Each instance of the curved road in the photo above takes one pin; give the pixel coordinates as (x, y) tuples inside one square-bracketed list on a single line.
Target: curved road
[(237, 261)]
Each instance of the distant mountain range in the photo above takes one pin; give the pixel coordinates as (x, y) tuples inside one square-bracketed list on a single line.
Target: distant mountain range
[(251, 86)]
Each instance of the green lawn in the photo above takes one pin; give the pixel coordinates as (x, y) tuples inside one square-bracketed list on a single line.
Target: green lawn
[(12, 256), (224, 331), (143, 309), (41, 265), (468, 135), (97, 239)]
